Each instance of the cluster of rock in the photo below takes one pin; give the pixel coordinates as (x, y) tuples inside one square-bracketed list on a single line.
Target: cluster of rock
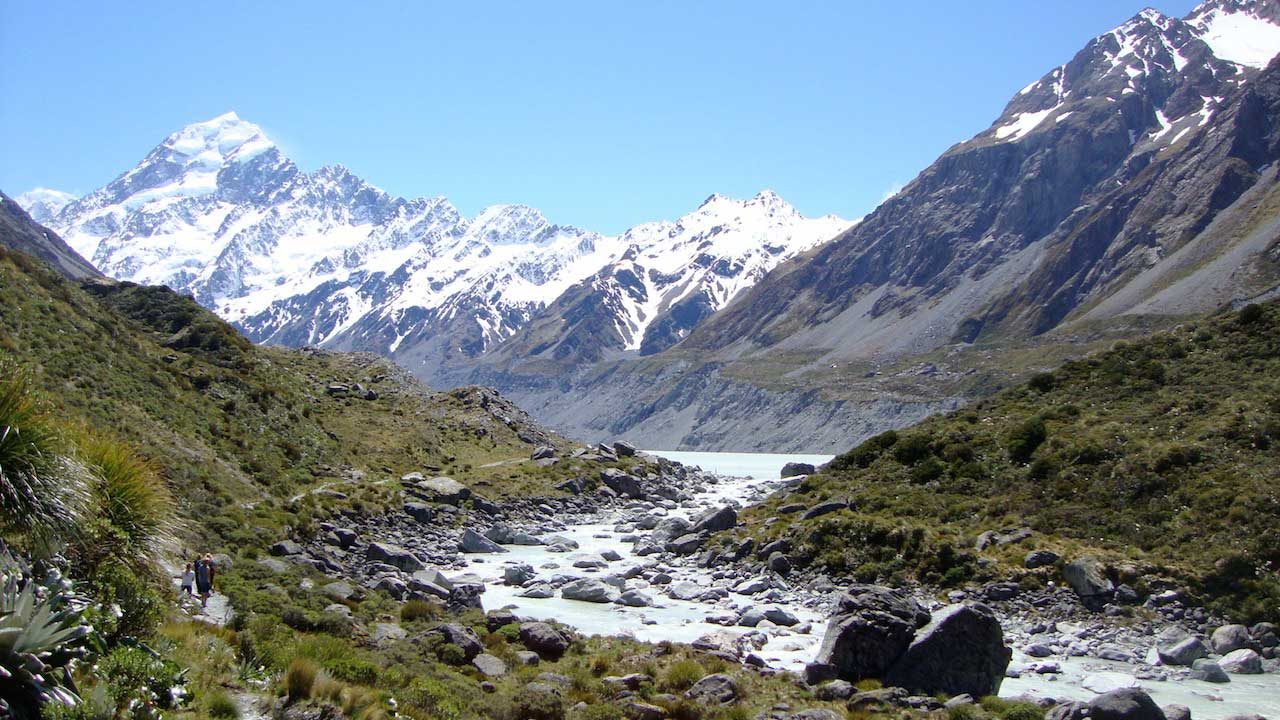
[(885, 634)]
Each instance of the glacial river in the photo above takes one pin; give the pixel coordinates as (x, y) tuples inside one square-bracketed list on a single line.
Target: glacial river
[(748, 477)]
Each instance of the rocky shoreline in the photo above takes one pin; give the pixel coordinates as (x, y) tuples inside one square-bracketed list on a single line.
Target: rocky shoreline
[(446, 546)]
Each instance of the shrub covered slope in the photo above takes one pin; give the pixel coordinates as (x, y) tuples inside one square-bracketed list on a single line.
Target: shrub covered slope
[(1162, 455)]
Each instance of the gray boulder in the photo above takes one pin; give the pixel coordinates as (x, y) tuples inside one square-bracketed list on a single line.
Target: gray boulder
[(780, 617), (871, 628), (1183, 652), (834, 690), (544, 639), (1242, 662), (635, 598), (624, 449), (443, 490), (1231, 637), (717, 520), (285, 548), (1069, 710), (1176, 712), (1264, 633), (780, 564), (421, 512), (792, 469), (1124, 704), (1088, 578), (460, 635), (685, 544), (542, 452), (824, 508), (1208, 671), (517, 574), (393, 555), (622, 483), (717, 689), (589, 590), (540, 591), (961, 650), (474, 542), (1039, 558), (489, 665), (669, 529)]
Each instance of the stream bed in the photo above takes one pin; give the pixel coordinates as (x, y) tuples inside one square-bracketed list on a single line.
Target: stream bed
[(745, 479)]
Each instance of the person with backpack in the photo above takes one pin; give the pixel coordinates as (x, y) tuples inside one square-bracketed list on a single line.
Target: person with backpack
[(205, 572)]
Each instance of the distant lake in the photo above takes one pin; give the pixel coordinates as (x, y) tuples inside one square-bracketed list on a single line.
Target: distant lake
[(754, 465)]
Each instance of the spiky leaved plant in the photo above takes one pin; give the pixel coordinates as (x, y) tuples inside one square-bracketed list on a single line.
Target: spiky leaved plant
[(41, 632), (133, 516), (42, 491)]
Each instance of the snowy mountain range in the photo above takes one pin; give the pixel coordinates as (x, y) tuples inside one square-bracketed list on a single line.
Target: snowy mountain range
[(324, 258)]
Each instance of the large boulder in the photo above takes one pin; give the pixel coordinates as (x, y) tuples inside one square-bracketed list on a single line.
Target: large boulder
[(590, 590), (444, 490), (622, 483), (1182, 652), (474, 542), (792, 469), (393, 555), (871, 628), (717, 689), (544, 639), (670, 529), (717, 520), (1242, 662), (960, 651), (1125, 704), (460, 635), (1208, 671), (1088, 578), (1231, 637)]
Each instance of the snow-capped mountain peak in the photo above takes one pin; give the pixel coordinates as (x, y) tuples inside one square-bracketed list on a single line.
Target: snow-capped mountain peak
[(42, 204), (1182, 67), (1245, 32)]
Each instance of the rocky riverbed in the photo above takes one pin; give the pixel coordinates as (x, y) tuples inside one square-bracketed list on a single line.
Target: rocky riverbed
[(629, 558)]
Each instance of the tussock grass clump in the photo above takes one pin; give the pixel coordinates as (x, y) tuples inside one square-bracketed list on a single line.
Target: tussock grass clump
[(135, 515), (300, 679), (42, 491)]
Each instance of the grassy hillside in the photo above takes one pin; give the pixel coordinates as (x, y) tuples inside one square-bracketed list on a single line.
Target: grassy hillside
[(234, 425), (1162, 455)]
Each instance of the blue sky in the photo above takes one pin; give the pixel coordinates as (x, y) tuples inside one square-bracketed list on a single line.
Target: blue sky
[(602, 114)]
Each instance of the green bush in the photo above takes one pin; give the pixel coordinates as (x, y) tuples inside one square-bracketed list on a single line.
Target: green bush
[(141, 605), (221, 705), (1042, 382), (434, 697), (452, 654), (135, 676), (912, 449), (1025, 438), (1250, 314), (419, 610), (682, 674)]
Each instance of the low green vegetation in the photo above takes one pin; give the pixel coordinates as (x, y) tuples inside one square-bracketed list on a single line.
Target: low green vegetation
[(1159, 455)]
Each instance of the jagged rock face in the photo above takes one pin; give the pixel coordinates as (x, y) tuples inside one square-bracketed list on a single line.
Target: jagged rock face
[(1090, 182), (324, 258)]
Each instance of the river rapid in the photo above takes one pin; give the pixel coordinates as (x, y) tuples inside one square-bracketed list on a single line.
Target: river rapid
[(746, 478)]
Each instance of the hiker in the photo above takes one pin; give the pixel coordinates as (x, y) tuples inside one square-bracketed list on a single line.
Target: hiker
[(204, 578), (188, 580)]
